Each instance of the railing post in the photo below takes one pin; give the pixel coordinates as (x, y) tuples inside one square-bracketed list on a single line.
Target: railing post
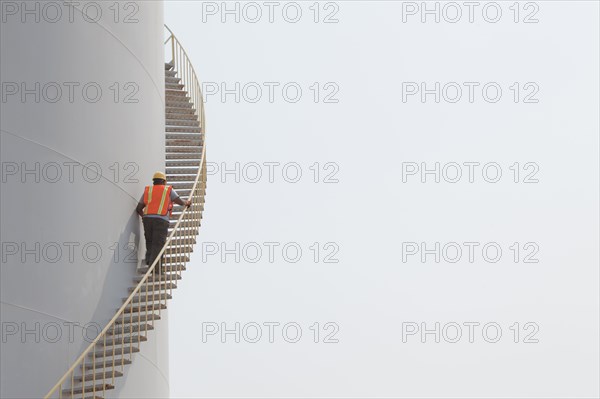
[(173, 50)]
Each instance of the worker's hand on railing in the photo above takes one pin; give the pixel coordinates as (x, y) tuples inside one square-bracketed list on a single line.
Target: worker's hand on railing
[(188, 203)]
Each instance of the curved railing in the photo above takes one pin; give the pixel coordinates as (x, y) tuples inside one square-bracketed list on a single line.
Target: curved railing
[(122, 336)]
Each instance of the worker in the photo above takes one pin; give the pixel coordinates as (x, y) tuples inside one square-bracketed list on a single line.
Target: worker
[(155, 207)]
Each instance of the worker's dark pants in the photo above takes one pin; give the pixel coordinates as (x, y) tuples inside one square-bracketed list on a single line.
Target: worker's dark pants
[(155, 231)]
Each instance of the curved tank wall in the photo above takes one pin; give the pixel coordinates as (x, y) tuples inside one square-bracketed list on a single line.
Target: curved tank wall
[(82, 120)]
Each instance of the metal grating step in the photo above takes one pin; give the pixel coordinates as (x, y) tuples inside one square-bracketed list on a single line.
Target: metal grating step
[(122, 341), (180, 241), (176, 115), (182, 162), (137, 279), (183, 156), (147, 298), (155, 286), (181, 177), (106, 364), (195, 206), (177, 96), (192, 171), (134, 319), (174, 86), (179, 104), (183, 149), (182, 122), (102, 375), (184, 136), (173, 143), (179, 110), (118, 351), (186, 232), (128, 329), (145, 308), (186, 193), (183, 129), (98, 388), (175, 92)]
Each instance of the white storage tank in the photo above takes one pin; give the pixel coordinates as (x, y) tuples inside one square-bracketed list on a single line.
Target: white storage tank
[(82, 120)]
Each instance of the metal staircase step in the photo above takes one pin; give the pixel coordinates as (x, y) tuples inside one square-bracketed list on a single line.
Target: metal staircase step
[(188, 216), (173, 99), (173, 261), (179, 104), (131, 318), (186, 193), (168, 66), (174, 171), (181, 241), (188, 220), (183, 162), (183, 250), (196, 199), (175, 92), (145, 308), (133, 328), (179, 110), (156, 286), (174, 86), (178, 209), (183, 142), (98, 388), (167, 268), (119, 350), (175, 115), (122, 341), (182, 122), (102, 375), (183, 129), (182, 247), (143, 298), (184, 136), (167, 277), (182, 186), (186, 232), (174, 258), (179, 97), (183, 156), (174, 275), (170, 73), (172, 224), (183, 149), (172, 79), (181, 177), (108, 364)]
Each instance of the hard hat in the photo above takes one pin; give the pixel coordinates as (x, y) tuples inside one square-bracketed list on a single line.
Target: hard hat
[(159, 175)]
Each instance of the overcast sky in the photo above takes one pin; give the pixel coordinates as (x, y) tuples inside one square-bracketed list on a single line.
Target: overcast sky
[(325, 116)]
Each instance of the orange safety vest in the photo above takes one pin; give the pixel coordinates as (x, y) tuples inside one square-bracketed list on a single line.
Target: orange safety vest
[(157, 199)]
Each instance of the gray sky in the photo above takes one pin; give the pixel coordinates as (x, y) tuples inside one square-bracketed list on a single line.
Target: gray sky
[(369, 135)]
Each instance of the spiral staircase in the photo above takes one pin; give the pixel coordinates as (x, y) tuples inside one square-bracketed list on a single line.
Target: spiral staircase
[(98, 368)]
